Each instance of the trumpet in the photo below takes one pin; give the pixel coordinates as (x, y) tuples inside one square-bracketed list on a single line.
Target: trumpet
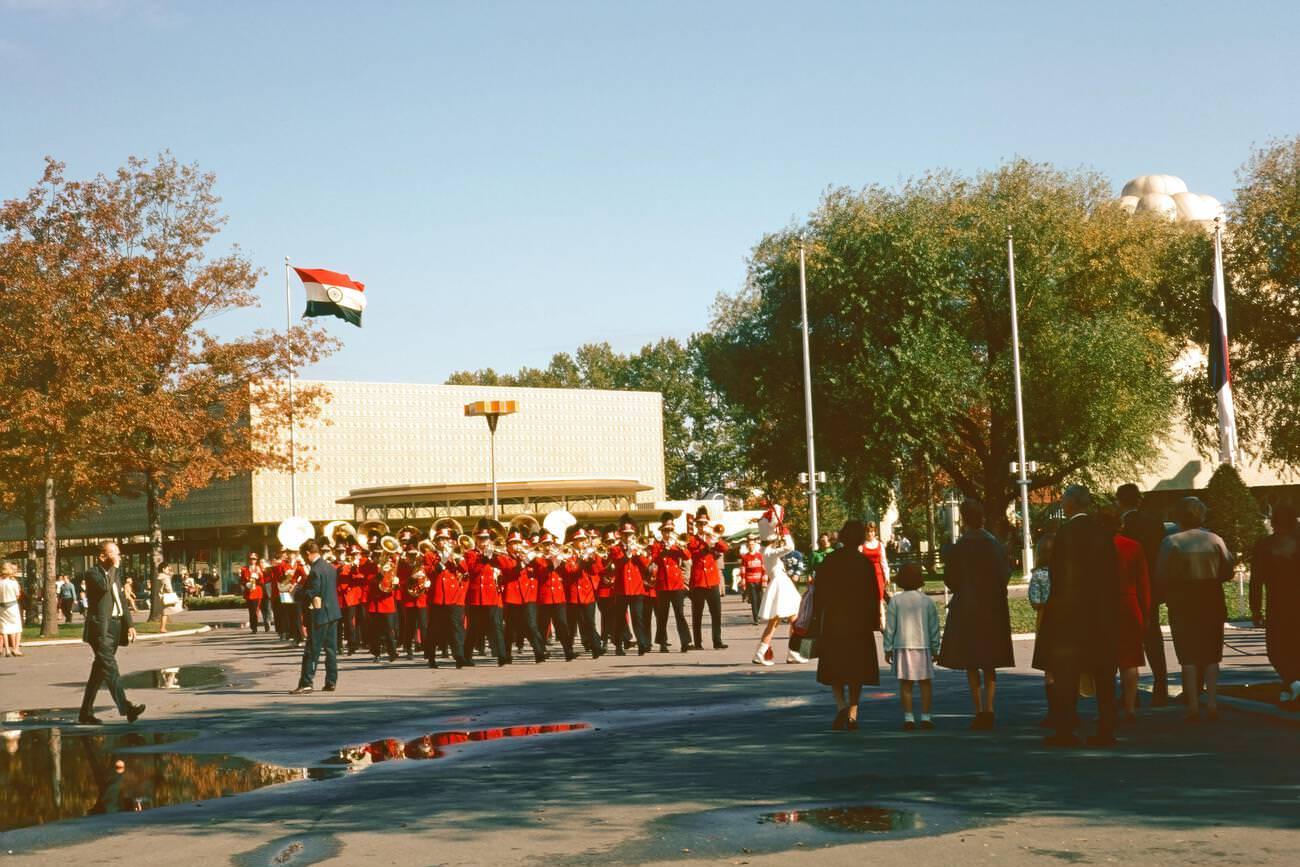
[(416, 583), (390, 545)]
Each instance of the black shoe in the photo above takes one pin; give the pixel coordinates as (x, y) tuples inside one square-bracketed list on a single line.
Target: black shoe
[(504, 662), (89, 720), (302, 690), (133, 712), (620, 652), (642, 651), (663, 648), (597, 653), (410, 655), (393, 658), (432, 663), (719, 647), (908, 725), (686, 648), (351, 651), (329, 687), (570, 656)]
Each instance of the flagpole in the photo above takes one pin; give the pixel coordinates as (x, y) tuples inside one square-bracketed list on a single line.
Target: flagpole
[(808, 402), (293, 450), (1223, 395), (1022, 467)]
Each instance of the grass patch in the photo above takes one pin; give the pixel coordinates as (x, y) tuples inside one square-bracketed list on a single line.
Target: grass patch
[(73, 630)]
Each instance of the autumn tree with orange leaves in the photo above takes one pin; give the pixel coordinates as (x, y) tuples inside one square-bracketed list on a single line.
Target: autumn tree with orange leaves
[(112, 383)]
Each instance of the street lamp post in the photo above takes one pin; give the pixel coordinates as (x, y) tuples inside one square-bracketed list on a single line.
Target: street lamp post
[(492, 410), (1022, 466), (808, 401)]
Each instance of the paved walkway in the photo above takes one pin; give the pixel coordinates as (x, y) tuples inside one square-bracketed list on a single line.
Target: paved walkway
[(685, 754)]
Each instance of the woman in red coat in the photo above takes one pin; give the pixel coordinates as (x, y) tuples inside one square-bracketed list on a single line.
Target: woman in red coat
[(1134, 609)]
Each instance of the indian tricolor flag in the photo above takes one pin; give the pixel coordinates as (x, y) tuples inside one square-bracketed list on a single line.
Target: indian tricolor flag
[(330, 293)]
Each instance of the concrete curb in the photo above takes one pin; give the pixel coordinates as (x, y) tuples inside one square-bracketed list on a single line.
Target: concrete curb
[(153, 636)]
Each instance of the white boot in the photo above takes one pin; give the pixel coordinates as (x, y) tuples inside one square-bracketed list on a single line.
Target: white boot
[(760, 655), (793, 656)]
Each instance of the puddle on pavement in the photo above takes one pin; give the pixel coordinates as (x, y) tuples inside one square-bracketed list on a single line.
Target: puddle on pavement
[(177, 677), (1269, 692), (851, 820), (431, 746), (734, 832), (49, 774)]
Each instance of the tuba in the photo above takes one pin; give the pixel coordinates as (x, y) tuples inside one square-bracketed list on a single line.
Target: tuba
[(387, 572), (449, 524), (390, 545), (340, 532), (527, 525), (293, 532), (371, 530)]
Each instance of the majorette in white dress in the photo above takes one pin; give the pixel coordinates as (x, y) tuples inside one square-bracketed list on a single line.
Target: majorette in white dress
[(781, 598)]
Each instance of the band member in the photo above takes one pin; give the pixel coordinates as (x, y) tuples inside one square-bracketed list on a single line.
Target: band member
[(381, 608), (667, 555), (413, 585), (752, 573), (288, 616), (551, 610), (631, 570), (250, 578), (355, 583), (483, 565), (519, 593), (582, 574), (447, 602), (610, 629), (706, 549), (271, 593)]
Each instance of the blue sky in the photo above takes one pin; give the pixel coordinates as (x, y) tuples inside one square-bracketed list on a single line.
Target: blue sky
[(513, 179)]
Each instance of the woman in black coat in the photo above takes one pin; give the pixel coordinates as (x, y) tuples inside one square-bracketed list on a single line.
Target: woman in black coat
[(1275, 571), (977, 634), (846, 607)]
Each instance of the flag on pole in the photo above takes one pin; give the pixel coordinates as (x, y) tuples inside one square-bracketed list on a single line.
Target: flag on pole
[(330, 293), (1220, 371)]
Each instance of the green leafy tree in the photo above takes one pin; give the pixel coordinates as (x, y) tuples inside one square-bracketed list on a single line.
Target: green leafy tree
[(1234, 513), (910, 322)]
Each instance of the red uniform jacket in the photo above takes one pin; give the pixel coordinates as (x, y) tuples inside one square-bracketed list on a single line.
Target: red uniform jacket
[(449, 584), (518, 586), (668, 566), (252, 583), (408, 599), (270, 575), (549, 581), (751, 568), (582, 579), (705, 571), (379, 601), (355, 582), (630, 572), (483, 589)]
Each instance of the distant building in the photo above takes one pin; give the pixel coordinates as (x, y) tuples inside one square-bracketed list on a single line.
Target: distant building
[(382, 445)]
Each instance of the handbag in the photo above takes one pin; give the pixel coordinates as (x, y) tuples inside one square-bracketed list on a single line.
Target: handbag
[(803, 620), (170, 599)]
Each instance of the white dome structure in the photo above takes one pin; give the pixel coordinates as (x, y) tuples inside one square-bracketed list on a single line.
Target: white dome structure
[(1168, 196)]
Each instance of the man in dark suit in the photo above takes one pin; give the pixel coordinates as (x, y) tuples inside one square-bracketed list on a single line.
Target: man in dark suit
[(1148, 531), (1079, 633), (320, 591), (108, 627)]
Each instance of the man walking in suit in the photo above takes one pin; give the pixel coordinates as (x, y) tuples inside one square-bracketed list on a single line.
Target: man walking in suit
[(321, 593), (1148, 531), (108, 627), (1079, 634)]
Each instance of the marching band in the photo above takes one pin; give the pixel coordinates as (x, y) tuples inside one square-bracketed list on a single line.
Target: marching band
[(452, 595)]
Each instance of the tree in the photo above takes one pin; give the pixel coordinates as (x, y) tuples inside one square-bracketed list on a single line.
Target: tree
[(1234, 513), (1262, 264), (61, 371), (187, 395), (909, 315)]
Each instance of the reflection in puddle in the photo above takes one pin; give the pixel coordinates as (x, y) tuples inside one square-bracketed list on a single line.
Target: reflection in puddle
[(178, 677), (430, 746), (857, 820), (50, 774)]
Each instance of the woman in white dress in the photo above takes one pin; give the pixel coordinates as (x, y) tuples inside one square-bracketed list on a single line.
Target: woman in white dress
[(780, 598), (170, 600), (11, 616)]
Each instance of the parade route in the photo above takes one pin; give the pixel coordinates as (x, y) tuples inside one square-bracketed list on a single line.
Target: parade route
[(695, 758)]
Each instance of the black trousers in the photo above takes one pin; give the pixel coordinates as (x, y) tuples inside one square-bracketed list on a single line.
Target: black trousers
[(634, 605), (609, 631), (289, 617), (414, 620), (582, 620), (712, 597), (352, 628), (103, 671), (446, 629), (485, 620), (1064, 696), (521, 623), (674, 599), (320, 636), (755, 592), (556, 617), (254, 605), (383, 634), (647, 616), (1153, 642), (65, 606)]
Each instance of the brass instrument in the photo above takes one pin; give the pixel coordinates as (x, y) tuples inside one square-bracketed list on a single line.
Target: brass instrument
[(465, 542), (426, 545), (340, 532), (450, 524), (371, 530), (387, 571), (408, 532), (416, 582), (390, 545), (527, 525)]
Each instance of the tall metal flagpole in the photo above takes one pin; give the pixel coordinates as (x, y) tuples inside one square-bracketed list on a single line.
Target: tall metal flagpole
[(807, 401), (1022, 467), (293, 449)]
